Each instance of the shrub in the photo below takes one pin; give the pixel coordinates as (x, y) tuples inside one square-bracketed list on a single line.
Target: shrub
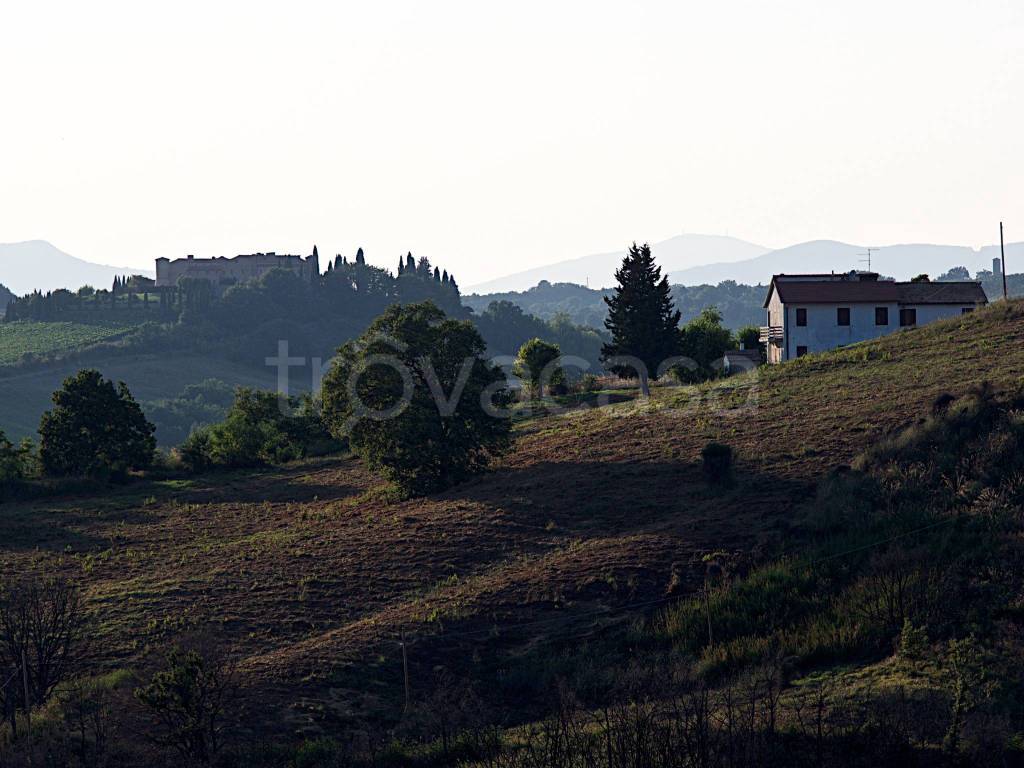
[(717, 461), (187, 702), (260, 428), (537, 362)]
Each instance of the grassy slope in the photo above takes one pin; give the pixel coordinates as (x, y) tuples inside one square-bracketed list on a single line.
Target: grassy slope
[(149, 377), (311, 575)]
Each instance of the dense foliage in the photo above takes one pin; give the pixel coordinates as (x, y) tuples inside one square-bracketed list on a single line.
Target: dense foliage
[(641, 318), (94, 428), (739, 304), (260, 428), (198, 405), (416, 399)]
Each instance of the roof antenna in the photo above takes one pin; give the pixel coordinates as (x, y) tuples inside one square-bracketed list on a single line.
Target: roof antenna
[(868, 259)]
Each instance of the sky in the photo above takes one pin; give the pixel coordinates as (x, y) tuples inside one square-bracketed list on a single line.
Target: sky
[(495, 137)]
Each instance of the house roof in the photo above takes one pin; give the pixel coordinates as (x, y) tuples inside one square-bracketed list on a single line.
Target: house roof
[(967, 292), (872, 291)]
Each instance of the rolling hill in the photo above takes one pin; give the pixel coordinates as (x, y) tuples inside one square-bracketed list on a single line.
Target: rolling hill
[(312, 573), (598, 271), (38, 265)]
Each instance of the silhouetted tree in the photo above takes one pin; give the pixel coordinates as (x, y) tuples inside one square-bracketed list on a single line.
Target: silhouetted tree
[(360, 258), (94, 428), (437, 274), (410, 262), (641, 318)]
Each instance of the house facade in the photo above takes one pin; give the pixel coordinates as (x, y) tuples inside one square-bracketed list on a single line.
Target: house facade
[(814, 313), (224, 272)]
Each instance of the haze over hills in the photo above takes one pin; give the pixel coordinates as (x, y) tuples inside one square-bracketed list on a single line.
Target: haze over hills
[(899, 261), (598, 270), (39, 265)]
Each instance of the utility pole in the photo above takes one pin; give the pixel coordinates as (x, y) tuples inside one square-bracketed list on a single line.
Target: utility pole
[(28, 701), (1002, 260), (405, 671)]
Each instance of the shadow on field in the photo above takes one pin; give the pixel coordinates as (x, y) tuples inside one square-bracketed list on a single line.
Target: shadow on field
[(619, 496)]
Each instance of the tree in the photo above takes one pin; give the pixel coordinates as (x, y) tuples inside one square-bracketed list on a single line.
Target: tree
[(360, 258), (704, 341), (94, 428), (749, 337), (922, 278), (955, 273), (416, 399), (44, 623), (16, 462), (187, 701), (537, 362), (641, 318), (410, 263)]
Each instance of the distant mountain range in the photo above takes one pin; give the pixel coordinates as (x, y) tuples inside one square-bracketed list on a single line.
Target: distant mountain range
[(598, 271), (899, 261), (710, 259), (36, 264)]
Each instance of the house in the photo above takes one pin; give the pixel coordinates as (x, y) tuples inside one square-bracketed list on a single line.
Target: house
[(223, 272), (814, 312)]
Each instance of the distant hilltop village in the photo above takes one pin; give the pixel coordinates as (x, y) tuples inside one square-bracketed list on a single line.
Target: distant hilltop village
[(224, 272)]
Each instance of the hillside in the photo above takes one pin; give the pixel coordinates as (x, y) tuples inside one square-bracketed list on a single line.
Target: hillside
[(312, 574), (37, 265)]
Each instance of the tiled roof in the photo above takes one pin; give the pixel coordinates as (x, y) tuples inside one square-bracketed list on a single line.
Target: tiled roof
[(942, 293), (876, 291)]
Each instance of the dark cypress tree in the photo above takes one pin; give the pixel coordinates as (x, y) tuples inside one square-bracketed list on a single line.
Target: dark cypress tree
[(444, 277), (330, 267), (316, 253), (437, 274), (337, 261), (643, 322), (401, 265), (360, 259), (410, 263)]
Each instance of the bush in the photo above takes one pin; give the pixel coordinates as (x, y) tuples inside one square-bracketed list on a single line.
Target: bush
[(717, 460), (260, 428)]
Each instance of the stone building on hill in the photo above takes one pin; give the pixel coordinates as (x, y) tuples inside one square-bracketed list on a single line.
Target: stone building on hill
[(224, 272)]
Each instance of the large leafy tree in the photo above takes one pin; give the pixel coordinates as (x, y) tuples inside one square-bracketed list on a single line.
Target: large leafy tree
[(704, 341), (641, 318), (94, 428), (416, 399), (537, 362)]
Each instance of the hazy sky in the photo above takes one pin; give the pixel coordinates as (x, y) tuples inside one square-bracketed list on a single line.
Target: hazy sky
[(494, 137)]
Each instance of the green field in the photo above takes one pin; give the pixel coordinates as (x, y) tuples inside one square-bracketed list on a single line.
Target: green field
[(45, 338)]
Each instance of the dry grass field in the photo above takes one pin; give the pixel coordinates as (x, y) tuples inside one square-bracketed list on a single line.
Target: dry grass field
[(312, 573)]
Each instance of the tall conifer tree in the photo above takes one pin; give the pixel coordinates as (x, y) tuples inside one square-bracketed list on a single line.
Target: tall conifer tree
[(641, 318)]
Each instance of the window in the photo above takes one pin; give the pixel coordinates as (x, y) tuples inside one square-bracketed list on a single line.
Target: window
[(881, 315), (801, 316), (908, 317), (843, 316), (966, 310), (801, 351)]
